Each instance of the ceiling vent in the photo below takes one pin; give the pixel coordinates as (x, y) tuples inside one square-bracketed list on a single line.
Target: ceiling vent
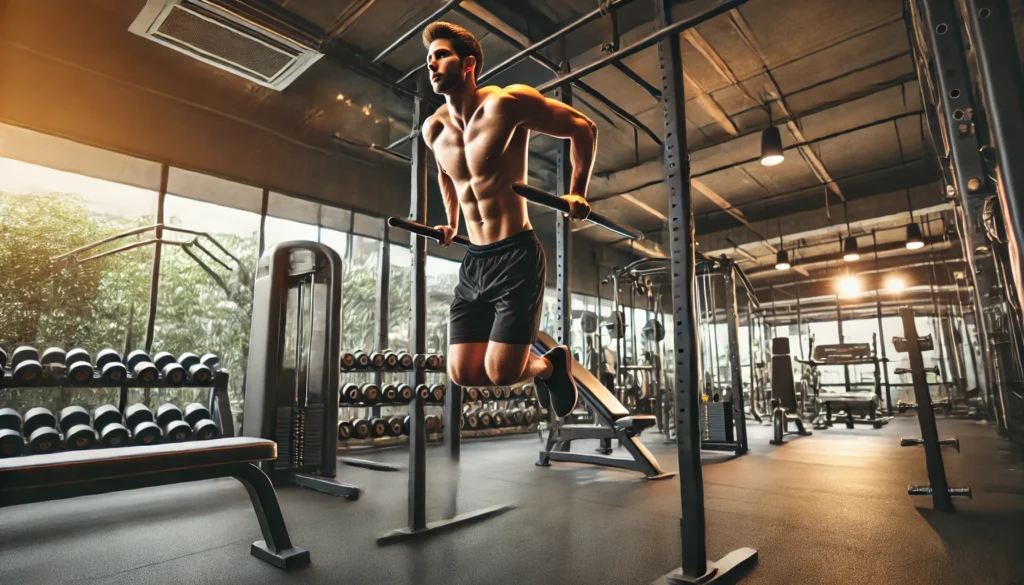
[(255, 39)]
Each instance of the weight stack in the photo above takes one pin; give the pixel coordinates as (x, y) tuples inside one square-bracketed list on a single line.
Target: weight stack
[(299, 435), (717, 421)]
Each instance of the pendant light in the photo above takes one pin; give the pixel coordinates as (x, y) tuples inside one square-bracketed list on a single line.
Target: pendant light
[(771, 143)]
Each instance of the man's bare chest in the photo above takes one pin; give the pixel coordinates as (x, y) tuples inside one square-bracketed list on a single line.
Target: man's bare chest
[(474, 151)]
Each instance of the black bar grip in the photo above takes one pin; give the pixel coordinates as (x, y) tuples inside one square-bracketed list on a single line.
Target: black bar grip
[(425, 231), (546, 199)]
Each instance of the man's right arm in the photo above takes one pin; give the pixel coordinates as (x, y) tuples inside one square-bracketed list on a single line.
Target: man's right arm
[(431, 128)]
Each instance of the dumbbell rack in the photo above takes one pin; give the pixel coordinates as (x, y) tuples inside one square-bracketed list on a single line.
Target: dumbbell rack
[(522, 400), (218, 402), (939, 489)]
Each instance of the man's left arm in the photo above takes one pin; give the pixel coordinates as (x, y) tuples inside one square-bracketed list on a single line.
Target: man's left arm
[(531, 110)]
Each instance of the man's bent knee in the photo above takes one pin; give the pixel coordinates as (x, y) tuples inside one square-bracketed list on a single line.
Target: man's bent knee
[(503, 375)]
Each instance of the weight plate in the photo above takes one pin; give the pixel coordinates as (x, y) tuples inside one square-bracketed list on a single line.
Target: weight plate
[(79, 437), (138, 414), (107, 356), (3, 358), (485, 394), (187, 360), (210, 360), (114, 372), (379, 427), (37, 418), (405, 392), (146, 433), (473, 421), (199, 374), (145, 372), (177, 431), (53, 355), (369, 394), (11, 443), (360, 428), (348, 361), (395, 426), (80, 373), (163, 359), (195, 412), (24, 353), (166, 414), (114, 435), (437, 393), (344, 430), (390, 393), (27, 372), (136, 357), (423, 392), (73, 416), (405, 424), (350, 393), (405, 360), (174, 374), (44, 440), (10, 419), (206, 430)]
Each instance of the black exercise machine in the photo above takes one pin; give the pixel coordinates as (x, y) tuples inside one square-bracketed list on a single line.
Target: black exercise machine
[(614, 422), (291, 394), (785, 408), (852, 407)]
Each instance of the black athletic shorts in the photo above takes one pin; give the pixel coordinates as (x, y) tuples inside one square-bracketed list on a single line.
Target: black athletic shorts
[(500, 293)]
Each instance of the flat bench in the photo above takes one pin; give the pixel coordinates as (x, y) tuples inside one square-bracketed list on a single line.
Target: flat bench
[(55, 476), (617, 423)]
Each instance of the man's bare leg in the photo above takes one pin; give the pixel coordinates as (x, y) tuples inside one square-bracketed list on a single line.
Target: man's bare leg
[(512, 363), (466, 364)]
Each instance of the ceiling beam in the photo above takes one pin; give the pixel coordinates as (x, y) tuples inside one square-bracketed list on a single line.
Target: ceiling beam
[(347, 17), (793, 124)]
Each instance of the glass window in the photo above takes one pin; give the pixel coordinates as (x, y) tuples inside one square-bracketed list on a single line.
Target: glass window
[(95, 299)]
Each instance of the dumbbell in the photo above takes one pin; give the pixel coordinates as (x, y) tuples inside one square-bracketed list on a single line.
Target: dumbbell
[(3, 359), (198, 417), (405, 393), (170, 419), (360, 428), (12, 443), (25, 366), (529, 416), (170, 369), (432, 423), (111, 368), (210, 360), (141, 422), (79, 368), (344, 430), (405, 360), (517, 391), (954, 442), (395, 426), (485, 393), (107, 421), (484, 417), (350, 393), (435, 362), (389, 393), (347, 361), (423, 393), (40, 427), (406, 421), (53, 355), (437, 393), (377, 360), (369, 394), (378, 427), (470, 394), (516, 417), (142, 367), (362, 360), (75, 424), (390, 359), (198, 373), (528, 391)]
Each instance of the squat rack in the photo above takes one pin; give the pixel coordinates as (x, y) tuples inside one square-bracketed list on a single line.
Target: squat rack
[(695, 566)]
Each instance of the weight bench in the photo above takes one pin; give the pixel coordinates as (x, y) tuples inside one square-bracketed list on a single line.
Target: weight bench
[(785, 409), (56, 476), (615, 423), (863, 404)]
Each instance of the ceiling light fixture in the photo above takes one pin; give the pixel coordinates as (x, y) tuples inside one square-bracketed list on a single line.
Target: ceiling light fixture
[(914, 239), (895, 284), (848, 286), (850, 249), (782, 260), (771, 142)]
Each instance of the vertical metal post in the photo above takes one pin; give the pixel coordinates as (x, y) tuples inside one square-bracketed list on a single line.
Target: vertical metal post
[(732, 326), (881, 330), (563, 235), (154, 285), (263, 222), (799, 319), (676, 166), (926, 416), (937, 318), (970, 343), (842, 339), (990, 29), (382, 316), (417, 333), (939, 29)]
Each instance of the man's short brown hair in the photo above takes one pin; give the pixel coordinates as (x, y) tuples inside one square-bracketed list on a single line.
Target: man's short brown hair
[(463, 42)]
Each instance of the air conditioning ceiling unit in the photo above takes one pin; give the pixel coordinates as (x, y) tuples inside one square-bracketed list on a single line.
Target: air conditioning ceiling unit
[(255, 39)]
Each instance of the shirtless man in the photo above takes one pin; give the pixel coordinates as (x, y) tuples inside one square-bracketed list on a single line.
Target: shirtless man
[(480, 138)]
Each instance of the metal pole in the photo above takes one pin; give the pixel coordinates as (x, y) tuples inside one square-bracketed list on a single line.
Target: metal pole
[(937, 318), (380, 323), (799, 317), (263, 222), (970, 344), (415, 31), (676, 165), (881, 330), (154, 285), (995, 49), (732, 323), (563, 236), (417, 333), (842, 339)]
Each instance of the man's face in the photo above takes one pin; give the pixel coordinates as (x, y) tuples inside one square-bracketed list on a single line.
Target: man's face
[(445, 67)]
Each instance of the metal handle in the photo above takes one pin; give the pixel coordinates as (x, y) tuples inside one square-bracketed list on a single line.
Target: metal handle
[(546, 199), (425, 231)]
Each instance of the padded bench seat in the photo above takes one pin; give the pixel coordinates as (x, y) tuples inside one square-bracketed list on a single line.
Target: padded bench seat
[(636, 422), (41, 478)]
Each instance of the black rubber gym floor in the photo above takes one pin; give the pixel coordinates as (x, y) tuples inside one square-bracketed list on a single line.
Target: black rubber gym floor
[(830, 508)]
